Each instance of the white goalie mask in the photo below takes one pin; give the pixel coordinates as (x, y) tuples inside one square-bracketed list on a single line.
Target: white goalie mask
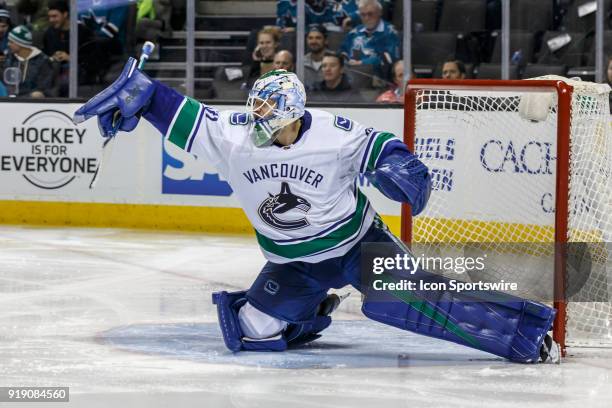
[(277, 99)]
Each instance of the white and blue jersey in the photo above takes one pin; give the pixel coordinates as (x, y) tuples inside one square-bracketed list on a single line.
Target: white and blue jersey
[(301, 199)]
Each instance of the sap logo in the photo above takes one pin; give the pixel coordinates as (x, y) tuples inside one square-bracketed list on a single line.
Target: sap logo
[(441, 179), (184, 173), (434, 148), (534, 157)]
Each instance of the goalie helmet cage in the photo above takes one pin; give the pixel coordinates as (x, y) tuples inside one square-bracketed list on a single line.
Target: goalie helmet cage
[(511, 188)]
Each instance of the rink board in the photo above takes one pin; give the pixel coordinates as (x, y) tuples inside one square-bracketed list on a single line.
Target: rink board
[(47, 164)]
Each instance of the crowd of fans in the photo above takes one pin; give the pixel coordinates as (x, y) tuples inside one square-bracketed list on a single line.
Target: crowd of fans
[(366, 48), (35, 43), (353, 51), (547, 37)]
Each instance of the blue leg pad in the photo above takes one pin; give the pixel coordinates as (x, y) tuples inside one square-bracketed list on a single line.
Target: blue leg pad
[(494, 322), (228, 304)]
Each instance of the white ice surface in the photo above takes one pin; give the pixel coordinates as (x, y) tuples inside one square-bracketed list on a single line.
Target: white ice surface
[(124, 319)]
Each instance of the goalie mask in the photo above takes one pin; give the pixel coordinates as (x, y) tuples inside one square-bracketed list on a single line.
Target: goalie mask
[(276, 100)]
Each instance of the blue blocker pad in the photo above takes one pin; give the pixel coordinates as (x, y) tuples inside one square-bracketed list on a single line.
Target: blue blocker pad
[(413, 299), (228, 305), (119, 106)]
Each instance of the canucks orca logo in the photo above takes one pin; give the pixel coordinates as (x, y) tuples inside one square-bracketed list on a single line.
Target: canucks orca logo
[(280, 204)]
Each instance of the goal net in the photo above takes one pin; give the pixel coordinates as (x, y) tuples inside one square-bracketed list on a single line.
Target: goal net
[(522, 172)]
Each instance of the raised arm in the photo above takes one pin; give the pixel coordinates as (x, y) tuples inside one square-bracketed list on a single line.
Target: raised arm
[(134, 95)]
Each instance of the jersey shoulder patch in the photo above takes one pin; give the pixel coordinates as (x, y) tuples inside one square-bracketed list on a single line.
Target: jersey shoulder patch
[(239, 119), (211, 113), (343, 123)]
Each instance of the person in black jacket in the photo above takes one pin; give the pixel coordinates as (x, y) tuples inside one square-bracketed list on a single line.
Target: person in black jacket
[(335, 86), (56, 41), (56, 44)]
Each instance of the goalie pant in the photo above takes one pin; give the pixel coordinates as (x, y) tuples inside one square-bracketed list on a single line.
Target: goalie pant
[(504, 325)]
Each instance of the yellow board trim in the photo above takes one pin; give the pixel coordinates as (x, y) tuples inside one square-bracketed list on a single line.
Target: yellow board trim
[(428, 229), (233, 220), (394, 222), (161, 217)]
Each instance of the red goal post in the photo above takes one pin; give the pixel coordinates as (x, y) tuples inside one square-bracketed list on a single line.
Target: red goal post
[(474, 106)]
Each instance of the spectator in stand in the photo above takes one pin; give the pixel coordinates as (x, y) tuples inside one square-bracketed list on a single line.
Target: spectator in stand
[(395, 93), (56, 44), (346, 14), (284, 60), (335, 86), (153, 22), (317, 12), (35, 13), (5, 27), (374, 42), (109, 26), (316, 41), (336, 15), (453, 69), (35, 70), (262, 58)]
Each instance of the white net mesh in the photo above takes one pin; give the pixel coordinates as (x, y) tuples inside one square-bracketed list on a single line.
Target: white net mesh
[(494, 173), (590, 220)]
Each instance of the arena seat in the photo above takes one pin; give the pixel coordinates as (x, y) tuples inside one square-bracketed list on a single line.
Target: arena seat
[(361, 76), (463, 16), (494, 71), (573, 22), (424, 13), (571, 54), (531, 16), (431, 48), (536, 70), (519, 40)]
